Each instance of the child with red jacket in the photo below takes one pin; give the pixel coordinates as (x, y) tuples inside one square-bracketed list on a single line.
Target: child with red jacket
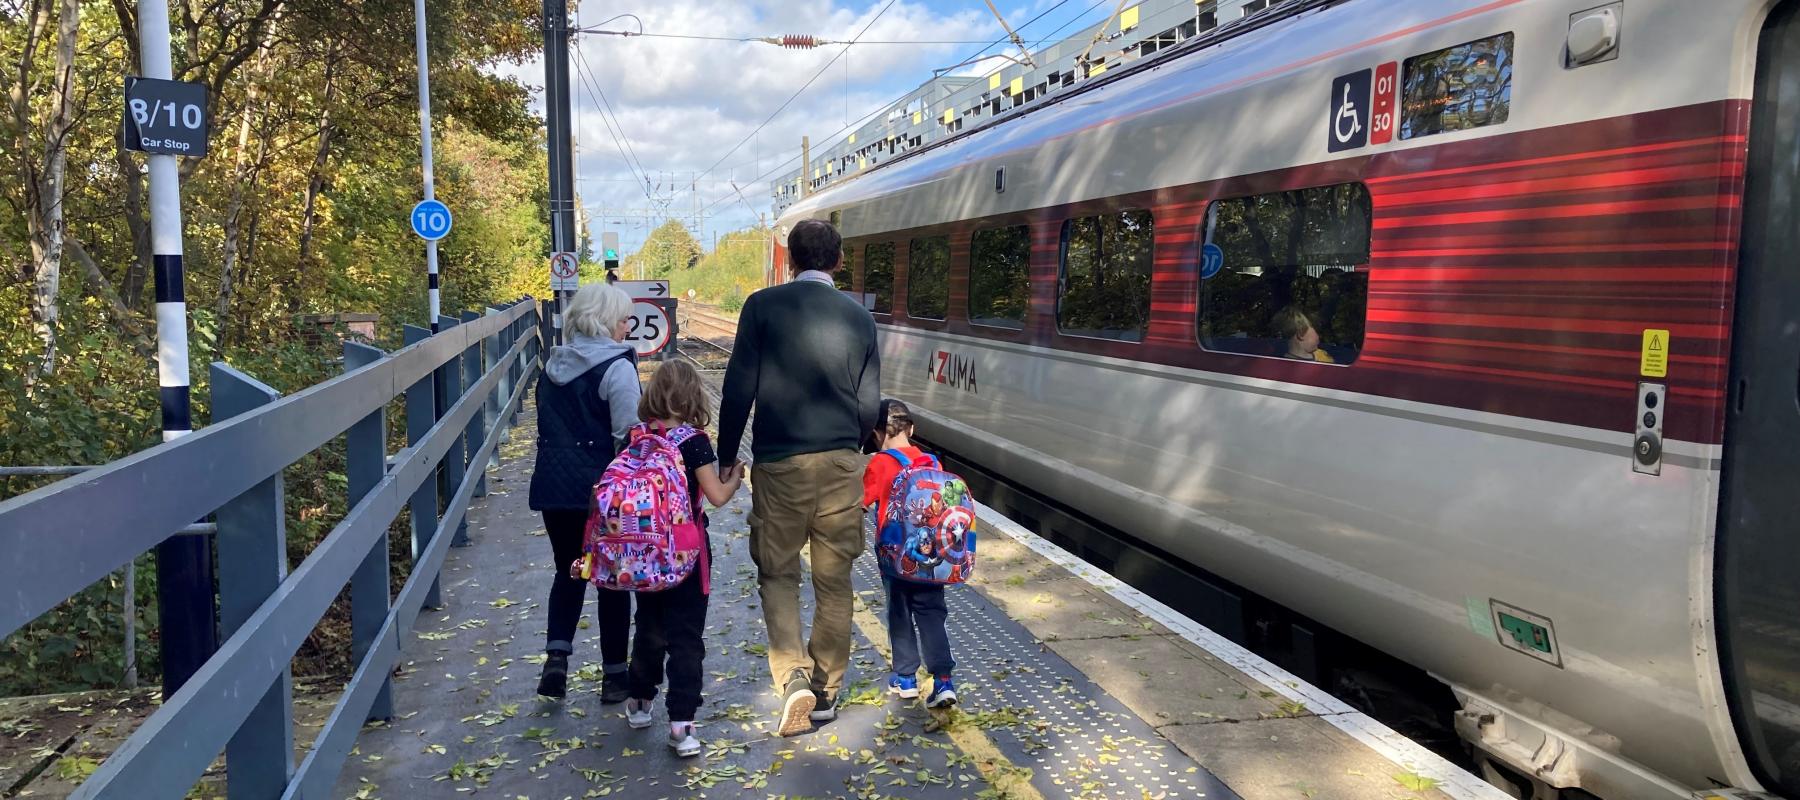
[(915, 611)]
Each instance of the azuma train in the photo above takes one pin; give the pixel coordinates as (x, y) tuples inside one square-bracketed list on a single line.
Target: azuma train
[(1467, 328)]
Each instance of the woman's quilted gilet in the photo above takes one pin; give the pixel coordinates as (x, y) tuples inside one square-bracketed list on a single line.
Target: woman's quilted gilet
[(575, 440)]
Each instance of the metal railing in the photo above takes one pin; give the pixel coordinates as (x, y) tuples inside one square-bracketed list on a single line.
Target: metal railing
[(57, 540)]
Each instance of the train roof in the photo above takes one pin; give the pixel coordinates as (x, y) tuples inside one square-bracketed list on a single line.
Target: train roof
[(1252, 98)]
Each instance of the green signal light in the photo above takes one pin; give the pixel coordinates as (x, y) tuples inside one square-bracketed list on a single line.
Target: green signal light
[(612, 255)]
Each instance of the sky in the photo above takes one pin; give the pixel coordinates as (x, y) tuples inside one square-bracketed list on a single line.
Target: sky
[(687, 109)]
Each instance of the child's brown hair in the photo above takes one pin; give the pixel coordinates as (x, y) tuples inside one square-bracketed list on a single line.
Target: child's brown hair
[(895, 419), (676, 392)]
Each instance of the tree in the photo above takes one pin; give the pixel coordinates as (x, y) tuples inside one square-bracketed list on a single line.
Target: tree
[(668, 249), (730, 273), (42, 177), (300, 208)]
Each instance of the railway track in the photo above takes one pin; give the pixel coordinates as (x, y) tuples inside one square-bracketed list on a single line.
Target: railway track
[(706, 338)]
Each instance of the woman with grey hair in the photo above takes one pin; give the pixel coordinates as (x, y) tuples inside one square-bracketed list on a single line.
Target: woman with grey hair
[(587, 400)]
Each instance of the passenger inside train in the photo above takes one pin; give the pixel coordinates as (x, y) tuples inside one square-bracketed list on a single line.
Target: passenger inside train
[(1300, 340)]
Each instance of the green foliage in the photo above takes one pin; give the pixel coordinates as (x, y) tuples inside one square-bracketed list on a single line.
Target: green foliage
[(313, 165), (728, 274), (668, 250), (1416, 782)]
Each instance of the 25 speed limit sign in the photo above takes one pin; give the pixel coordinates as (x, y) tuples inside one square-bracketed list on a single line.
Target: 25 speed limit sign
[(649, 329)]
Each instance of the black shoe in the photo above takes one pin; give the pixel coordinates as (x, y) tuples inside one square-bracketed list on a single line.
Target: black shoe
[(555, 680), (824, 707), (614, 688)]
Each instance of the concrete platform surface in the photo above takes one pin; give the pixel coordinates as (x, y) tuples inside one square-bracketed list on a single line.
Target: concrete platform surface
[(1068, 692)]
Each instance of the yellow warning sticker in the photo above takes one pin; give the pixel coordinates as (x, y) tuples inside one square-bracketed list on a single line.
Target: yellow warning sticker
[(1016, 88), (1655, 360)]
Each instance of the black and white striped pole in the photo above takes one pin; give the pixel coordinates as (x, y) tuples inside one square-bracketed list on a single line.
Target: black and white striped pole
[(430, 218), (166, 119)]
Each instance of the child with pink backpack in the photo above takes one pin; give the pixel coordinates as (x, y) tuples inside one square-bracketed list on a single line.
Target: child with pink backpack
[(647, 534)]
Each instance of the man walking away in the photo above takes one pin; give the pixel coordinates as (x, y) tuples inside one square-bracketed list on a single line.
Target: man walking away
[(806, 358)]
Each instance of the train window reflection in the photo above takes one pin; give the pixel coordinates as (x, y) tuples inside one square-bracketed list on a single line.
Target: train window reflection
[(928, 278), (999, 277), (1295, 281), (1104, 284), (844, 278), (878, 275), (1457, 88)]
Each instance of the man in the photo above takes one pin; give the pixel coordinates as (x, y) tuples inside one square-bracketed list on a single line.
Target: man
[(806, 358)]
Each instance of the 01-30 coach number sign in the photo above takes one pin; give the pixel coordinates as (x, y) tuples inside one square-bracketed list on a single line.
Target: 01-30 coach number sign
[(165, 117)]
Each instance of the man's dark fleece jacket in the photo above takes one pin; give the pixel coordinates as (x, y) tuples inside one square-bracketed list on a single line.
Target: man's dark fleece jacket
[(806, 357)]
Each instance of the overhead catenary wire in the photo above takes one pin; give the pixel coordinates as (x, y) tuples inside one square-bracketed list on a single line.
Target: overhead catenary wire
[(620, 141), (801, 90), (606, 103), (794, 41), (973, 56)]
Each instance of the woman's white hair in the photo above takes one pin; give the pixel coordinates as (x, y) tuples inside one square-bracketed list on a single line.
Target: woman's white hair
[(597, 309)]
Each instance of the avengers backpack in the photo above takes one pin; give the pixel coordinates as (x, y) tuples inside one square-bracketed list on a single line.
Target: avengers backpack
[(927, 533)]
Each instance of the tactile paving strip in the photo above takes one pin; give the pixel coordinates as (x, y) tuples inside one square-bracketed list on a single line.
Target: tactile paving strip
[(1047, 716)]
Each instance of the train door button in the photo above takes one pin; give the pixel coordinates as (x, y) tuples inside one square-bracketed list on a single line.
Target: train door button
[(1647, 443)]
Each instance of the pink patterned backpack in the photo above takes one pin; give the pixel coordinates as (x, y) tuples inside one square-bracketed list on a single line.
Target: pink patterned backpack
[(642, 535)]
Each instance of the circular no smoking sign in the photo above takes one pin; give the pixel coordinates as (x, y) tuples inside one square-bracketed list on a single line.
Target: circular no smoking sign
[(563, 265)]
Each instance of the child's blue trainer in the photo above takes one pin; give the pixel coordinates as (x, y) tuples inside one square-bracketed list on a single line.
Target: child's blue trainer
[(943, 693), (906, 686)]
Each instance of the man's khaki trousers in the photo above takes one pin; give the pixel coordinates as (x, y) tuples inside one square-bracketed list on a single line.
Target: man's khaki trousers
[(810, 499)]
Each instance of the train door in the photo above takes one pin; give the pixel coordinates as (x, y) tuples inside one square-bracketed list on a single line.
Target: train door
[(1758, 568)]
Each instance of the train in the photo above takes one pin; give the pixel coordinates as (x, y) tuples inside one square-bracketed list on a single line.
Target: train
[(1467, 328)]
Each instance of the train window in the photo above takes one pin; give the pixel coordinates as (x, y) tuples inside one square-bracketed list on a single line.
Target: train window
[(999, 277), (843, 278), (1104, 284), (1295, 281), (1457, 88), (878, 275), (928, 277)]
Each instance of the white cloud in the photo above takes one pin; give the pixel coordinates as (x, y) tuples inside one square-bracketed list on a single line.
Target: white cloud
[(976, 69), (684, 103)]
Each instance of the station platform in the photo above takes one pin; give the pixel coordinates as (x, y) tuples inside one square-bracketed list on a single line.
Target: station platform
[(1071, 685)]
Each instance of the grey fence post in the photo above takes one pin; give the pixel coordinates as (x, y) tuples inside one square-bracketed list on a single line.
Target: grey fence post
[(365, 457), (519, 330), (456, 462), (476, 429), (504, 345), (421, 414), (497, 346), (546, 331), (252, 553)]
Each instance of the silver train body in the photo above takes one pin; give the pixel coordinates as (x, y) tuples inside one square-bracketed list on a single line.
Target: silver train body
[(1404, 523)]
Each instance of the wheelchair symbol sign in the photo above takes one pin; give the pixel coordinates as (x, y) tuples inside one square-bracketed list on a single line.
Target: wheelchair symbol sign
[(1349, 122)]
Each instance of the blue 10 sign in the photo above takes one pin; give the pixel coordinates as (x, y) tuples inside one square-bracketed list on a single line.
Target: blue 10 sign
[(431, 220)]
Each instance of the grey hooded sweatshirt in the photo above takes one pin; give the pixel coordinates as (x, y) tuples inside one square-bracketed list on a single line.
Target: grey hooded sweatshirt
[(619, 387)]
